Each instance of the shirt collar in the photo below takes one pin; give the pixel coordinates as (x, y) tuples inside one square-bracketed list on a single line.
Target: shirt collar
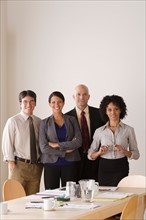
[(121, 124), (25, 116), (86, 110)]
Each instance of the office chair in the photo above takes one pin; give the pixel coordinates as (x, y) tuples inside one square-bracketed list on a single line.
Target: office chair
[(133, 181), (130, 209), (12, 189)]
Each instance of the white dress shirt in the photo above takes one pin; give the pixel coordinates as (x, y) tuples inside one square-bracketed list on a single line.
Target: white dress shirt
[(16, 137)]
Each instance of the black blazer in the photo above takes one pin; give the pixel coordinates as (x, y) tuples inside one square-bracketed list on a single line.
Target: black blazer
[(95, 120)]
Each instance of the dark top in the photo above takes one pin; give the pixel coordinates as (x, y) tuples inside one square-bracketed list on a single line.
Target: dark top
[(95, 121)]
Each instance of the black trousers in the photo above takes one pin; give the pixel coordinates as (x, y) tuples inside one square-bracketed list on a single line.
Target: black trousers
[(53, 174), (87, 169)]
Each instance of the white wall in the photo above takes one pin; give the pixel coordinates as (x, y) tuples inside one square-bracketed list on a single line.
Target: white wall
[(55, 45)]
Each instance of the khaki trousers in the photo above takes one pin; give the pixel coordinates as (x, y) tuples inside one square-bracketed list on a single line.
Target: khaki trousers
[(29, 175)]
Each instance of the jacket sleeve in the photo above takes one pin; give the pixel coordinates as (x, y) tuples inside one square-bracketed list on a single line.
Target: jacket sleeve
[(74, 137), (43, 141)]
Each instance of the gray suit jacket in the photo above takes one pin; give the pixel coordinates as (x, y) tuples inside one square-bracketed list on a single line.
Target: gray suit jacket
[(47, 132)]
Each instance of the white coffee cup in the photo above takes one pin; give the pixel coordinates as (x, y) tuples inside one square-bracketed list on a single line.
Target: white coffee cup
[(49, 204), (3, 208)]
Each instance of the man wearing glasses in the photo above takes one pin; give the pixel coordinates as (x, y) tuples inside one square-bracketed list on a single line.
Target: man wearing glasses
[(20, 144)]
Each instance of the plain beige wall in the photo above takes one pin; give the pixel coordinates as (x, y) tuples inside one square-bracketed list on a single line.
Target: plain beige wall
[(3, 85), (55, 45)]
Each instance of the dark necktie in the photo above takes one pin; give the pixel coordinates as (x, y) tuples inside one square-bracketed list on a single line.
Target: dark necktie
[(85, 133), (33, 152)]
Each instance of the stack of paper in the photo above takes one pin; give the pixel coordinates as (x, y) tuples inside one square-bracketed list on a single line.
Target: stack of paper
[(108, 188), (35, 205), (52, 193), (39, 205), (112, 195), (79, 206)]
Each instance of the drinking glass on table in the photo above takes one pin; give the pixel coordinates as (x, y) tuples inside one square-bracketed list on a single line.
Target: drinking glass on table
[(87, 189)]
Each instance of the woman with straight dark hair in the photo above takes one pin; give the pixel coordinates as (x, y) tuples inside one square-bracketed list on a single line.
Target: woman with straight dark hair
[(59, 139)]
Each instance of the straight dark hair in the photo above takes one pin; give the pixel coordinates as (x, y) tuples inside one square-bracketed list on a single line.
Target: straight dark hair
[(58, 94), (27, 93)]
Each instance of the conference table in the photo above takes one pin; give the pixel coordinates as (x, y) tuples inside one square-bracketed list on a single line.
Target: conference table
[(103, 208)]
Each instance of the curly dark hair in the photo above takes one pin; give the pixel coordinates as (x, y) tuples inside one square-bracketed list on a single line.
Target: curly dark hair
[(116, 100)]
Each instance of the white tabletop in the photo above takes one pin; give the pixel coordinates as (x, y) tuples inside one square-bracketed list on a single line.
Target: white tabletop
[(106, 208)]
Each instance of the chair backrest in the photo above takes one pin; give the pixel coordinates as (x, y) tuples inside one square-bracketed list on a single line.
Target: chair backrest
[(12, 189), (130, 209), (133, 181)]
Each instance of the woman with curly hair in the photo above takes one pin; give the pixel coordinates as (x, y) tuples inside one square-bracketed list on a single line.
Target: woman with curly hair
[(114, 143)]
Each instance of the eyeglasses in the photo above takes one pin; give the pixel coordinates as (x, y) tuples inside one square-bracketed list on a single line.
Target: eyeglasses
[(31, 102)]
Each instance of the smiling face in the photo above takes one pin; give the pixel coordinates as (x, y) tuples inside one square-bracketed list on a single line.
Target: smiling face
[(113, 112), (81, 96), (27, 105), (56, 104)]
